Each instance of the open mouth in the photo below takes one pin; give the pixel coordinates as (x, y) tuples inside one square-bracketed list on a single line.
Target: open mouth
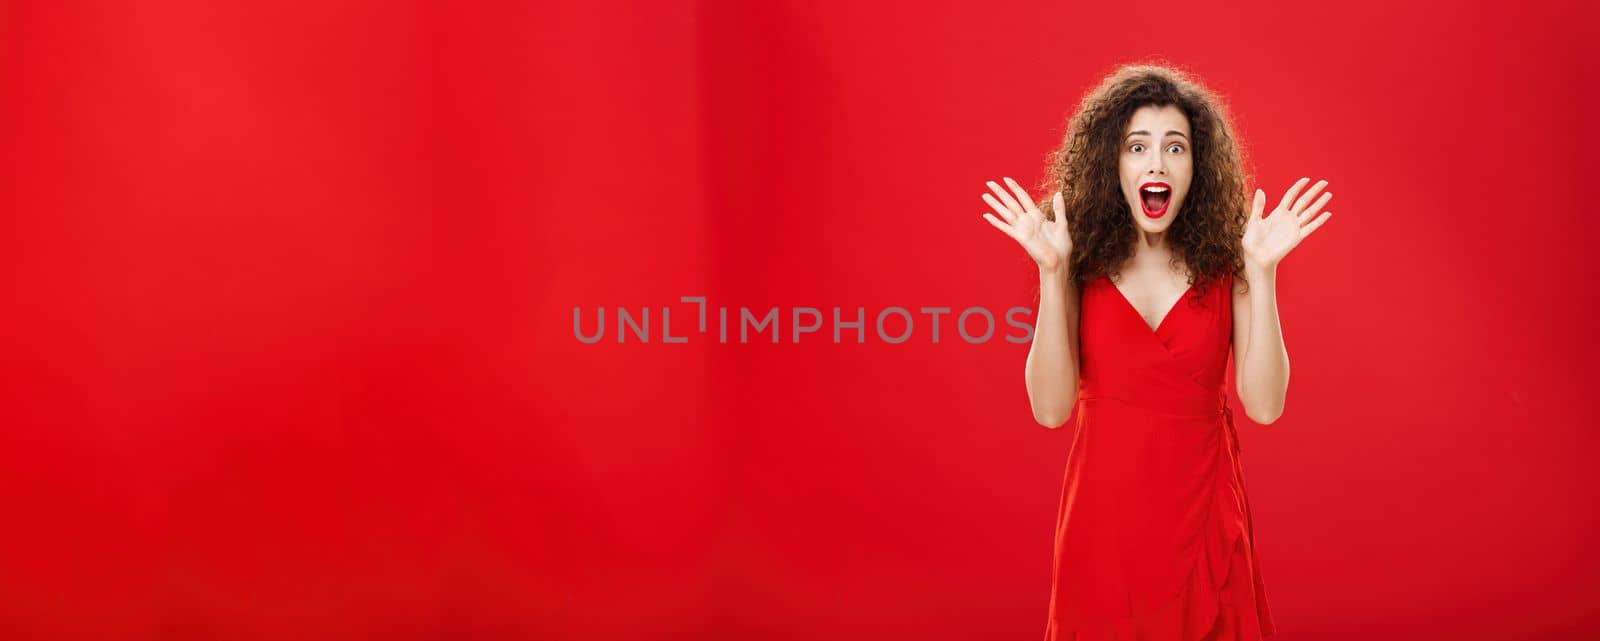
[(1154, 197)]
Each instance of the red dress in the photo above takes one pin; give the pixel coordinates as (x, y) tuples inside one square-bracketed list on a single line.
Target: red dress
[(1154, 540)]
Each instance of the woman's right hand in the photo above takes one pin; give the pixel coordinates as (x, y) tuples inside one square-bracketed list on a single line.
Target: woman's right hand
[(1047, 241)]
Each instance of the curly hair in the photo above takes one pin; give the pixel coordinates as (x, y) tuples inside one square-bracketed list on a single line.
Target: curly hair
[(1206, 237)]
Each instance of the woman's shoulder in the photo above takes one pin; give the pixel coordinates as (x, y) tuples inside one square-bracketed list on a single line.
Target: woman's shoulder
[(1222, 282), (1224, 277)]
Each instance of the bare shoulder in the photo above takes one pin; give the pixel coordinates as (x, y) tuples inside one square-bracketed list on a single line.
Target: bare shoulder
[(1240, 285)]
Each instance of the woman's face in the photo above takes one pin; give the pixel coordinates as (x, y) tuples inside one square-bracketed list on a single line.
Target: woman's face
[(1156, 164)]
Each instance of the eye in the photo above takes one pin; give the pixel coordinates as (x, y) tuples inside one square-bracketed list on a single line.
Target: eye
[(1137, 147), (1176, 146)]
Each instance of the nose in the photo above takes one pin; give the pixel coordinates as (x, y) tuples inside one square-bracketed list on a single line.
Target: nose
[(1159, 165)]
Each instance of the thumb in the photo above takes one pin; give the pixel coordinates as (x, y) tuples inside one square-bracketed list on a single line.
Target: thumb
[(1259, 206)]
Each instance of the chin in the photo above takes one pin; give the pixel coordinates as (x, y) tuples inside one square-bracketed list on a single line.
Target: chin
[(1154, 225), (1153, 229)]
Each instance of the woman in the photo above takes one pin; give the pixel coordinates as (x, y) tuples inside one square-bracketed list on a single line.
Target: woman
[(1150, 266)]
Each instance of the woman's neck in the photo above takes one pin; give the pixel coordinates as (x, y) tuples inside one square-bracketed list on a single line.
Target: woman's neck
[(1146, 243), (1151, 251)]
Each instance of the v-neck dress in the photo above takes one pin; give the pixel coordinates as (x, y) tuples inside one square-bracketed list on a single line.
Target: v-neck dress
[(1154, 540)]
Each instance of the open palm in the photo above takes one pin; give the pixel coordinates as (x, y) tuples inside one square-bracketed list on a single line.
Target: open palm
[(1047, 241), (1267, 240)]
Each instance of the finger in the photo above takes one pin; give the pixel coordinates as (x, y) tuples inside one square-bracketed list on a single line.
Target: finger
[(1259, 206), (1006, 198), (997, 224), (1307, 213), (1310, 193), (1005, 212), (1294, 189), (1022, 196), (1306, 231), (1058, 212)]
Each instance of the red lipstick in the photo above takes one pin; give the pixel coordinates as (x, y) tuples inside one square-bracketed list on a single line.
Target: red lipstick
[(1154, 197)]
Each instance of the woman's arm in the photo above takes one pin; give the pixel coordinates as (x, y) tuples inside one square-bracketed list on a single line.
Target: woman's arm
[(1260, 360), (1052, 369), (1261, 363)]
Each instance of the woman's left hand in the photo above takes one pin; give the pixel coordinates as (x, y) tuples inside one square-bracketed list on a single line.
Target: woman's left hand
[(1267, 240)]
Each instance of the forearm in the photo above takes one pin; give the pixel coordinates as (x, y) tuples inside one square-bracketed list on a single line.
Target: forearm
[(1052, 368), (1263, 377)]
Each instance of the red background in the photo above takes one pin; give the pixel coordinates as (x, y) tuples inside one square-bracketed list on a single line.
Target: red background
[(291, 352)]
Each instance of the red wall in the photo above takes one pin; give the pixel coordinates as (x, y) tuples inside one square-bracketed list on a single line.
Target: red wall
[(291, 351)]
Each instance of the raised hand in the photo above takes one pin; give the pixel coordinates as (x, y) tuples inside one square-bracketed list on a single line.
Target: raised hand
[(1047, 241), (1267, 240)]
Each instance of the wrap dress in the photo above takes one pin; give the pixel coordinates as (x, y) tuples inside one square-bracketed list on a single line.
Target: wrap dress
[(1154, 540)]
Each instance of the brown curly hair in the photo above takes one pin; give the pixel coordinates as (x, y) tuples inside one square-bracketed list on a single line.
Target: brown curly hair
[(1206, 237)]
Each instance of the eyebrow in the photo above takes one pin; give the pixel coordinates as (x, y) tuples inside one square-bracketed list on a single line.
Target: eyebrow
[(1142, 132)]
